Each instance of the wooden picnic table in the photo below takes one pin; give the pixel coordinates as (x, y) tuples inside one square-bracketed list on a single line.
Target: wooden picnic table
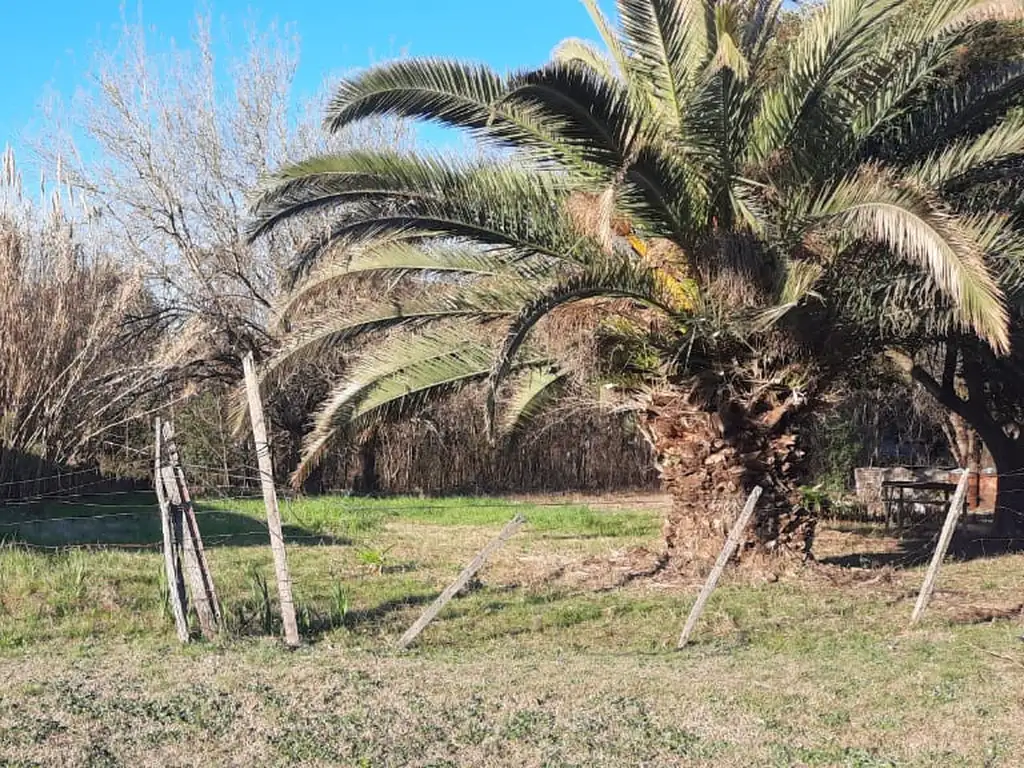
[(899, 496)]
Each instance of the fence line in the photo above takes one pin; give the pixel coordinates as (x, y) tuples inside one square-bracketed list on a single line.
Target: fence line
[(44, 478)]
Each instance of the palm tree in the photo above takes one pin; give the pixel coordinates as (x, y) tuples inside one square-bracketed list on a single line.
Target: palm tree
[(705, 203)]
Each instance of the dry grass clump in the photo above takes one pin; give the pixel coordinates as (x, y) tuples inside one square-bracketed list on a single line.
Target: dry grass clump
[(65, 377)]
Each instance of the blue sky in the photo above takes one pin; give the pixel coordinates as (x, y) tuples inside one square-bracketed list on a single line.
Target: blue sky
[(49, 43)]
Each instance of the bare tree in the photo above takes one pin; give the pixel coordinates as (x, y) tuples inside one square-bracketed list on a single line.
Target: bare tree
[(178, 140)]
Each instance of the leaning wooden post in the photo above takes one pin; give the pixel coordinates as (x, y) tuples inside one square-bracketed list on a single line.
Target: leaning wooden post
[(456, 586), (259, 433), (172, 568), (952, 518), (198, 580), (724, 556), (193, 540)]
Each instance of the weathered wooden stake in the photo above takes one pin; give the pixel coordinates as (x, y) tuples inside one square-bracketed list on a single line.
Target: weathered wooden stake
[(949, 527), (193, 540), (259, 433), (193, 566), (724, 556), (456, 586), (172, 568)]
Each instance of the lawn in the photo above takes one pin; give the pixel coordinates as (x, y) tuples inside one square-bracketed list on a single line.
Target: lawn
[(562, 654)]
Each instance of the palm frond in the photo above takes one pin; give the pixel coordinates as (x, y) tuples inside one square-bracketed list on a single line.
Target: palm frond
[(595, 115), (665, 194), (667, 42), (833, 43), (395, 379), (387, 195), (531, 394), (444, 91), (728, 54), (394, 260), (800, 278), (608, 35), (760, 28), (573, 51), (612, 278), (878, 209), (329, 180), (973, 105), (420, 357), (889, 85), (1003, 142), (332, 328)]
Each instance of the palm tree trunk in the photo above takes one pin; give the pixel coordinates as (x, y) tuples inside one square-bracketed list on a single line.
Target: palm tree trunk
[(710, 465)]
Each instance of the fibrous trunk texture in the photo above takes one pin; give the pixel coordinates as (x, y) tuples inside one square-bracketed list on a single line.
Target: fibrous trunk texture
[(710, 463)]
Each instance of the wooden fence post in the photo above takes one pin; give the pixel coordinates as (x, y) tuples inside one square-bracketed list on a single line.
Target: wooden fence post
[(463, 579), (949, 527), (723, 559), (207, 605), (259, 433), (172, 566), (193, 566)]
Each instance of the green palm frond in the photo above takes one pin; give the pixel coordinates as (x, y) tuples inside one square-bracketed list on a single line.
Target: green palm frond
[(888, 86), (332, 328), (881, 210), (394, 260), (761, 25), (611, 278), (386, 195), (728, 54), (445, 91), (531, 394), (662, 190), (833, 43), (950, 112), (798, 283), (609, 36), (667, 42), (595, 115), (330, 180), (1003, 142), (450, 92), (396, 378), (573, 51)]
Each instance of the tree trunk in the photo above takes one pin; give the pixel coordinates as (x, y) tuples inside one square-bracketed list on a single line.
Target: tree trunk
[(1009, 511), (367, 482), (710, 463)]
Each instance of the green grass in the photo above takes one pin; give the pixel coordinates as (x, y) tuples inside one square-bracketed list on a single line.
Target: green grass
[(531, 667), (347, 516)]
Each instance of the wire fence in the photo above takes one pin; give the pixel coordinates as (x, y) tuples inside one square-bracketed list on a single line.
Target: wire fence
[(18, 526), (139, 504)]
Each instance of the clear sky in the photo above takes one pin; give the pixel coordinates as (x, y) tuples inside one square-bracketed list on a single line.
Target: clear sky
[(48, 44)]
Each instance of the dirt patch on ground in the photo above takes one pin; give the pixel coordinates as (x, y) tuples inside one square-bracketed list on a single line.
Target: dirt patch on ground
[(597, 573), (651, 501)]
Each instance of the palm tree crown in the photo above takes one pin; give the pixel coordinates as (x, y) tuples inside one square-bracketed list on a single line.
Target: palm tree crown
[(781, 205)]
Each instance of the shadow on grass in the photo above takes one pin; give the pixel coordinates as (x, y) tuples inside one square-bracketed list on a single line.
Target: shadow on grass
[(132, 521), (378, 615), (314, 623), (916, 547)]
